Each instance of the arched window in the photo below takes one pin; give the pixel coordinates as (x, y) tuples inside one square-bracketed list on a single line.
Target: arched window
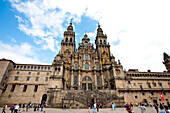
[(75, 80), (86, 57), (100, 41), (89, 79), (87, 66), (66, 39), (84, 79), (97, 67), (70, 39), (76, 66), (98, 80), (104, 41)]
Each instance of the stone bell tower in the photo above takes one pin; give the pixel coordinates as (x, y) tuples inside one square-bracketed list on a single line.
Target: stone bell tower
[(102, 47), (68, 43)]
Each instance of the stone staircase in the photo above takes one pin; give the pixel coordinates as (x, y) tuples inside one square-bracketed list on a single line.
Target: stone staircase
[(85, 98)]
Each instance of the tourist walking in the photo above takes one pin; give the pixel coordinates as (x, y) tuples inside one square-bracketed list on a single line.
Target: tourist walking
[(128, 108), (3, 110), (156, 107), (89, 109), (143, 108), (12, 109), (94, 108), (162, 109), (23, 106), (16, 108), (113, 106)]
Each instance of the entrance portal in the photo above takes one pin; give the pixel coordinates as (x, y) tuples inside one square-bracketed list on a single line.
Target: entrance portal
[(87, 83), (44, 99)]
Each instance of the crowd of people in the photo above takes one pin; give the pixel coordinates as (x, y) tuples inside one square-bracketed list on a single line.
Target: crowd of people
[(18, 108), (161, 108)]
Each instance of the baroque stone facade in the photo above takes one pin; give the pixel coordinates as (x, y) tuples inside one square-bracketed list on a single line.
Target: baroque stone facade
[(82, 76)]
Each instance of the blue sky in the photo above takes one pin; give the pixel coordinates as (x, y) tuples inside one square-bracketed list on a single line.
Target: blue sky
[(138, 31)]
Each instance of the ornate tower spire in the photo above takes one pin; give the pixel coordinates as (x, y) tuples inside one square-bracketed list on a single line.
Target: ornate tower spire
[(68, 43)]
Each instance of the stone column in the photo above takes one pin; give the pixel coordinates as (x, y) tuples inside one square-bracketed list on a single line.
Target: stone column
[(102, 80), (108, 79), (71, 79), (79, 79), (65, 78), (95, 80)]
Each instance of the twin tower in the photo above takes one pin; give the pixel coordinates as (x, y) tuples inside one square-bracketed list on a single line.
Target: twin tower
[(87, 68)]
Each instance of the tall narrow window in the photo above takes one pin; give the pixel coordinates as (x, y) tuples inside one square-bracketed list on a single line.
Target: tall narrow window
[(35, 88), (154, 84), (149, 86), (48, 68), (75, 66), (86, 57), (36, 79), (66, 39), (127, 87), (16, 78), (28, 78), (141, 87), (100, 41), (46, 79), (75, 80), (25, 88), (104, 41), (98, 80), (87, 66), (70, 39), (97, 67), (160, 84), (13, 88)]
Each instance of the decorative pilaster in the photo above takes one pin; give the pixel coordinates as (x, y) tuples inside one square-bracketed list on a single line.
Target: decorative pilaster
[(102, 80), (108, 79), (79, 79), (95, 79), (71, 79)]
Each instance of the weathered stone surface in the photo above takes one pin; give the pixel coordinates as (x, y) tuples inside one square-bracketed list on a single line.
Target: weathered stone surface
[(81, 77)]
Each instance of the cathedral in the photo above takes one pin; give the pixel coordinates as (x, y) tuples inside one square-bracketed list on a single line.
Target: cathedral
[(82, 76)]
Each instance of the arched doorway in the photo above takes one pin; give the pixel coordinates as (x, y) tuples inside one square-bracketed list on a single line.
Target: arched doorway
[(87, 83), (44, 99)]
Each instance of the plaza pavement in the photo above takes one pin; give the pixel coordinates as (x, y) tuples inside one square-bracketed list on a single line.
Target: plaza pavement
[(105, 110)]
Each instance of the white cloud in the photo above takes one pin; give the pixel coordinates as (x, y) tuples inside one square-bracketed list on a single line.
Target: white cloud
[(13, 40), (23, 53), (146, 25)]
